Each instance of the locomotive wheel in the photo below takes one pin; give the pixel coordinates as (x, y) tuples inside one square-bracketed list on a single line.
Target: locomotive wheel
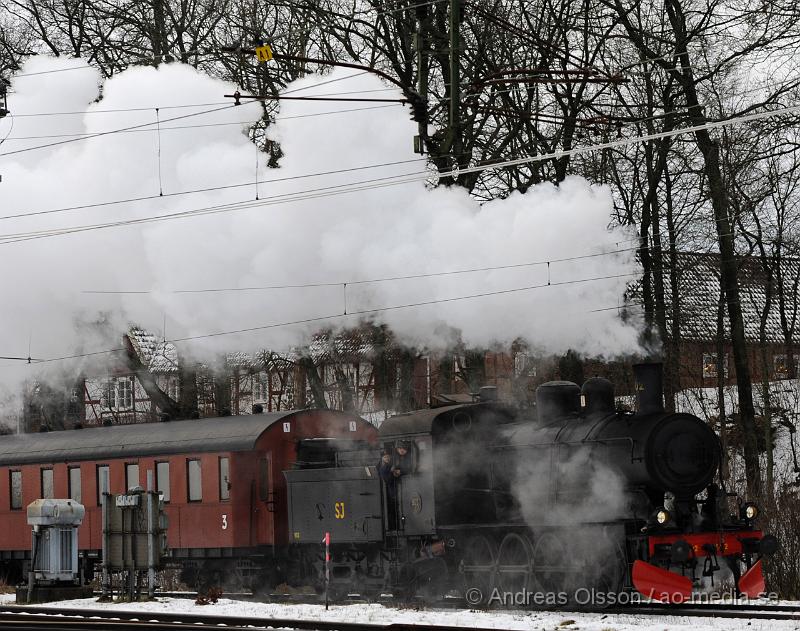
[(608, 560), (550, 564), (479, 568), (513, 564)]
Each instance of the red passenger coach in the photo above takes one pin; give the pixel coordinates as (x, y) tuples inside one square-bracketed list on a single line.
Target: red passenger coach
[(221, 479)]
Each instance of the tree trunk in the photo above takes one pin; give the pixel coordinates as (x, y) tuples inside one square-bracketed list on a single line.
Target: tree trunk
[(314, 382), (187, 384), (725, 239), (160, 398)]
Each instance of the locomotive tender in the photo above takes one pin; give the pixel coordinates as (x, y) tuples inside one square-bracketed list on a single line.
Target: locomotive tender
[(576, 496)]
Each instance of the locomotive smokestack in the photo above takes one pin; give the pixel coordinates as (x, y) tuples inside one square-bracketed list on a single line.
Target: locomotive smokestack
[(649, 387)]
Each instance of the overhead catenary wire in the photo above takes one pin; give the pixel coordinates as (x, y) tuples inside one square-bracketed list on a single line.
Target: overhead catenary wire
[(361, 312), (113, 131), (10, 129), (54, 71), (158, 130), (205, 125), (407, 178), (366, 281), (184, 116), (206, 190), (123, 110)]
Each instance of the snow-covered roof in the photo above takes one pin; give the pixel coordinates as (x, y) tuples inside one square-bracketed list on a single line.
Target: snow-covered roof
[(162, 357), (259, 360), (345, 346), (159, 356), (699, 291)]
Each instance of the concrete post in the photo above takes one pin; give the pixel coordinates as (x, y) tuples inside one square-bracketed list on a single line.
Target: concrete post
[(151, 536)]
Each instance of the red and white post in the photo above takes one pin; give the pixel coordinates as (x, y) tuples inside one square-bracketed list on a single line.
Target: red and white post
[(327, 541)]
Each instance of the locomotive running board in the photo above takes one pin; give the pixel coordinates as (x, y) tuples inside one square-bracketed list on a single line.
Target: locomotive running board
[(752, 582), (661, 585)]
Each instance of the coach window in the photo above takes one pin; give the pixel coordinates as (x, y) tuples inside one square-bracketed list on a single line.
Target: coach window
[(16, 490), (162, 480), (74, 483), (195, 480), (224, 479), (102, 482), (47, 484), (131, 476)]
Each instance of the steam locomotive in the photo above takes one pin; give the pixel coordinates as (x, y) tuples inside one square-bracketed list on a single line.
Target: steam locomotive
[(572, 498), (489, 500)]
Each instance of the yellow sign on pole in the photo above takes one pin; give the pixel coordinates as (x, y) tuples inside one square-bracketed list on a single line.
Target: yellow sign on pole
[(263, 53)]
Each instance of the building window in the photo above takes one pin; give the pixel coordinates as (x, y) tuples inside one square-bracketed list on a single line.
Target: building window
[(524, 365), (162, 480), (102, 482), (16, 490), (710, 365), (124, 394), (131, 476), (47, 484), (74, 475), (224, 479), (119, 394), (195, 480), (261, 387), (781, 366)]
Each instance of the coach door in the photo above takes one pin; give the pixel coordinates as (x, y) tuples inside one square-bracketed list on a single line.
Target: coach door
[(265, 501)]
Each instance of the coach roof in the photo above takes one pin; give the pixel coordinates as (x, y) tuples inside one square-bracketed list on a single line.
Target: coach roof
[(228, 433)]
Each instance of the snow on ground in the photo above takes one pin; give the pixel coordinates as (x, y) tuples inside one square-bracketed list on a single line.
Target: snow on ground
[(378, 614)]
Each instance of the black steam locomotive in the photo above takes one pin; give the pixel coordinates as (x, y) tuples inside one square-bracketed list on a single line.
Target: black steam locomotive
[(573, 496)]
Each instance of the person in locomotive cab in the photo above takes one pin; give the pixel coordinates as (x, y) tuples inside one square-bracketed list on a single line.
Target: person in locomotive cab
[(391, 467), (402, 461), (390, 482), (385, 467)]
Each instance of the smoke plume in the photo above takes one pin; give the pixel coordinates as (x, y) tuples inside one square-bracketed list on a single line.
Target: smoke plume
[(181, 135)]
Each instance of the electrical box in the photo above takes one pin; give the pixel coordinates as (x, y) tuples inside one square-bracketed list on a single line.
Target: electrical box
[(55, 540)]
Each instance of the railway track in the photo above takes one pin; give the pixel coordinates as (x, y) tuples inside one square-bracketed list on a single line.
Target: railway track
[(460, 603), (58, 618)]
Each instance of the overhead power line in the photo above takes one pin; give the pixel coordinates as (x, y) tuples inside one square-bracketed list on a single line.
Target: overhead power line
[(54, 71), (122, 110), (114, 131), (407, 178), (367, 281), (206, 190), (207, 125), (362, 312)]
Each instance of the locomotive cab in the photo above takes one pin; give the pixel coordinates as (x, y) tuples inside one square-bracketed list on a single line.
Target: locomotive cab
[(323, 453)]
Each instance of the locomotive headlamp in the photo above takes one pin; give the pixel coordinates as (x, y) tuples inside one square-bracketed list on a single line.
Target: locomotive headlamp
[(662, 516), (750, 511)]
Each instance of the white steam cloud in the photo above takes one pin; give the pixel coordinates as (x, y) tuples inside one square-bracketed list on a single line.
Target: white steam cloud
[(372, 233)]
